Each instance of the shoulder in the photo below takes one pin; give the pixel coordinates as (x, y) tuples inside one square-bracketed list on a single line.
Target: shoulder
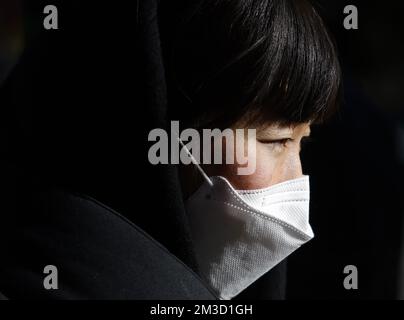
[(98, 254)]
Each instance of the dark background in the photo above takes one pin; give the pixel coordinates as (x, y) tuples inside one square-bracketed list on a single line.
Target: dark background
[(355, 165), (76, 75)]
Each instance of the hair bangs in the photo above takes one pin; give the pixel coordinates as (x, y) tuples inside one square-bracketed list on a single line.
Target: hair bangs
[(258, 62), (298, 74)]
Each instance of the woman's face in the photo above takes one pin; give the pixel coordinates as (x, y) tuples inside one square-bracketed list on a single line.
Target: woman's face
[(277, 158)]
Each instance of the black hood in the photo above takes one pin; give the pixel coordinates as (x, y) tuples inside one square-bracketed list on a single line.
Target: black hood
[(82, 101), (78, 109)]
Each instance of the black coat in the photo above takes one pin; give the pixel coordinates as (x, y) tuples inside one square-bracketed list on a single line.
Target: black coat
[(78, 109)]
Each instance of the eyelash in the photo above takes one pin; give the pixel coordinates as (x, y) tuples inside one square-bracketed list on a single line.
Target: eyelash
[(284, 141), (279, 141)]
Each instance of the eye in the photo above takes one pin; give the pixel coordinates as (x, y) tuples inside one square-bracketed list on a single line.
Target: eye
[(277, 145), (282, 142)]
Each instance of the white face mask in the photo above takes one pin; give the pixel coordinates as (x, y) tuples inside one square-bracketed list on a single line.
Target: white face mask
[(239, 235)]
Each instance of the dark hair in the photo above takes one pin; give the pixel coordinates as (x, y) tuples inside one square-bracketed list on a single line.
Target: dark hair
[(265, 60)]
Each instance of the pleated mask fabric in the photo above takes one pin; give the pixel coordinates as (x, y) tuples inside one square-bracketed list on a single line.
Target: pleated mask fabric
[(239, 235)]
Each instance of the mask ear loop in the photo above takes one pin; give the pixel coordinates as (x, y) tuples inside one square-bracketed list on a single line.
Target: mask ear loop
[(193, 160)]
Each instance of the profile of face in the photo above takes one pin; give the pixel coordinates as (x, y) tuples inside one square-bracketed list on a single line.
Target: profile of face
[(276, 157), (252, 73)]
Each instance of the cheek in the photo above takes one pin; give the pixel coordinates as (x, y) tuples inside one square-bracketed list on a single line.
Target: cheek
[(266, 165), (271, 167)]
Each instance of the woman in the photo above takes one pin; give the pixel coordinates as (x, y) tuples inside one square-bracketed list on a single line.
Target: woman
[(264, 65), (267, 65)]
